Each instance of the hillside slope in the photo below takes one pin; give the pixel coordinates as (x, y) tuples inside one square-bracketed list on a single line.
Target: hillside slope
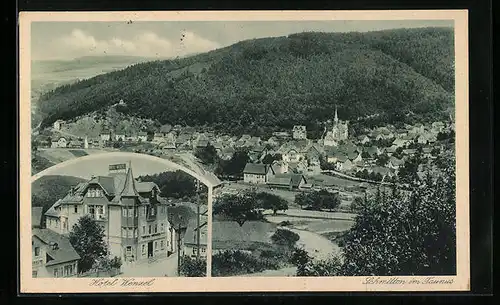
[(278, 82)]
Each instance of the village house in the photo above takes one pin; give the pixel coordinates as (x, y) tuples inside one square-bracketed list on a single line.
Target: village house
[(132, 138), (409, 151), (298, 166), (282, 135), (158, 137), (105, 136), (53, 255), (226, 153), (394, 163), (273, 142), (437, 127), (427, 138), (299, 132), (383, 171), (120, 137), (344, 165), (58, 124), (190, 239), (363, 139), (293, 151), (201, 141), (257, 152), (132, 213), (288, 181), (391, 150), (142, 136), (183, 140), (165, 128), (279, 167), (59, 143), (75, 144), (257, 173)]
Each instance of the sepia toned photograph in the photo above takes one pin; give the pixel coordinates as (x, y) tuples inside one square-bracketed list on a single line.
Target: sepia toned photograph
[(222, 151)]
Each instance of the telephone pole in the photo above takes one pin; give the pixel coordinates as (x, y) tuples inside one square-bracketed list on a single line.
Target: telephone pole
[(198, 199), (179, 247)]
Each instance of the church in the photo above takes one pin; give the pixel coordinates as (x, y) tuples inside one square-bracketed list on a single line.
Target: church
[(335, 133)]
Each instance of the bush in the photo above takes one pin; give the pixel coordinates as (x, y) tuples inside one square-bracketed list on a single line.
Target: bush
[(235, 262), (284, 237), (193, 267)]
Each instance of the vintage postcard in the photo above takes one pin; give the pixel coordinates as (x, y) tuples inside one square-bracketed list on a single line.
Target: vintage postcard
[(246, 151)]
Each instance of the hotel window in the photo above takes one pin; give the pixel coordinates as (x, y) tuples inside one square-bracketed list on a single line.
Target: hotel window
[(143, 249), (75, 208), (124, 232), (124, 212), (129, 250), (149, 229), (153, 211), (130, 212), (162, 227), (135, 232), (37, 251), (56, 272), (100, 209), (91, 209), (156, 245), (135, 212), (162, 245), (203, 250), (156, 228), (143, 230), (130, 233)]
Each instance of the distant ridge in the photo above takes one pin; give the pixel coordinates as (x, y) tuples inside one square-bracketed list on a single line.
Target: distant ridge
[(268, 83)]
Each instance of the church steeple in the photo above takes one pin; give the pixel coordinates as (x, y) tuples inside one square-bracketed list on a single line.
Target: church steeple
[(336, 120)]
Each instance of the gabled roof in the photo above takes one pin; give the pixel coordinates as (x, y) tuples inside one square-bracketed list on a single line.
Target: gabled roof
[(145, 187), (257, 169), (64, 251), (286, 179)]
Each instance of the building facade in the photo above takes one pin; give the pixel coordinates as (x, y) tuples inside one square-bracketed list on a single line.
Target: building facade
[(52, 255), (257, 173), (132, 214), (299, 132)]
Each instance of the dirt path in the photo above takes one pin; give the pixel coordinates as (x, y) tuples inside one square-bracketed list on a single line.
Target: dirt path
[(318, 247)]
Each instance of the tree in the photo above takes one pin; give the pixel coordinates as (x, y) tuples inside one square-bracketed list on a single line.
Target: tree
[(270, 158), (87, 237), (318, 200), (176, 184), (238, 207), (413, 234), (285, 237), (382, 159), (193, 267), (271, 202), (207, 154)]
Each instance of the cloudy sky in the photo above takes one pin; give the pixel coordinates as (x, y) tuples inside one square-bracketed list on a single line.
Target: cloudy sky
[(86, 168), (69, 40)]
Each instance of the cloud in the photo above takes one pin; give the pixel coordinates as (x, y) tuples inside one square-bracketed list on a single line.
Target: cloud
[(146, 44)]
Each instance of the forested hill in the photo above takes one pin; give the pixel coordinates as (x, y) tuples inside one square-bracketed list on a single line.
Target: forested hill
[(279, 82)]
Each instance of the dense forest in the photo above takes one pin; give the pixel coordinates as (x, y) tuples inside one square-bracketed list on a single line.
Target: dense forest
[(264, 84)]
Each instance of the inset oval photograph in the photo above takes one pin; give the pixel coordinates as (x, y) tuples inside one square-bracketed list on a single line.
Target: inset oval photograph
[(119, 215)]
